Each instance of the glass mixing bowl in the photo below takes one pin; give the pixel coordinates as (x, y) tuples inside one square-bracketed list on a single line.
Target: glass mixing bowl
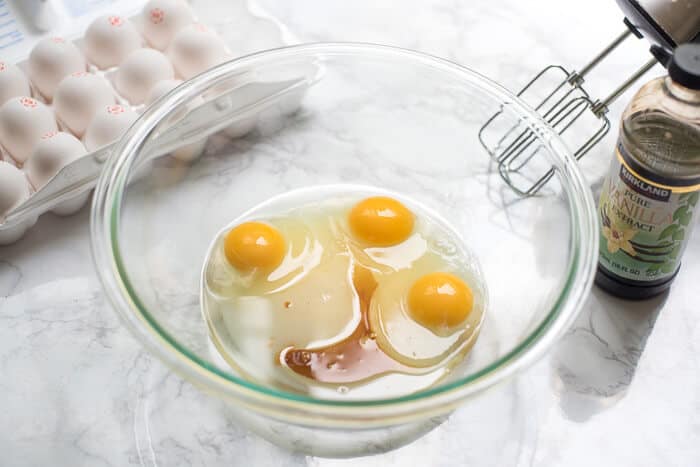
[(358, 114)]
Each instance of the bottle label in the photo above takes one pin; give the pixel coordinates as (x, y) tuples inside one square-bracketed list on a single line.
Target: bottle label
[(645, 221)]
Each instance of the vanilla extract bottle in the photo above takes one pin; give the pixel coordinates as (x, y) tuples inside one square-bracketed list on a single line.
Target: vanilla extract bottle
[(649, 201)]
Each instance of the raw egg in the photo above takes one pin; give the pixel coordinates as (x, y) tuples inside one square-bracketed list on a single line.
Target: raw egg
[(23, 121), (439, 301), (140, 71), (314, 311), (254, 245), (305, 300), (299, 299), (51, 60), (162, 19), (411, 323), (380, 221), (108, 125), (78, 98), (304, 250), (109, 39), (13, 83), (196, 48)]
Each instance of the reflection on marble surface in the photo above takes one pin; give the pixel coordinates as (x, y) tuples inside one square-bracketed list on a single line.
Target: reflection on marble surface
[(622, 388)]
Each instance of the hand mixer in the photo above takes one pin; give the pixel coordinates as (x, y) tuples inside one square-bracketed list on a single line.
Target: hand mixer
[(514, 146)]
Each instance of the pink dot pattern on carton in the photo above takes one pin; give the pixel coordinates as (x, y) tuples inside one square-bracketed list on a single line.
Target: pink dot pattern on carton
[(115, 109)]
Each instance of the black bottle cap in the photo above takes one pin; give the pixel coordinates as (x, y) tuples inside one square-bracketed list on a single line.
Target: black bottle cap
[(684, 67)]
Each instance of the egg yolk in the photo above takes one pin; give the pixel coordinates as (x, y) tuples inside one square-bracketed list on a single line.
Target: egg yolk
[(439, 300), (380, 221), (253, 245)]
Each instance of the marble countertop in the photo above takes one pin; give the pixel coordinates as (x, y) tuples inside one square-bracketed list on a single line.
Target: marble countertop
[(621, 388)]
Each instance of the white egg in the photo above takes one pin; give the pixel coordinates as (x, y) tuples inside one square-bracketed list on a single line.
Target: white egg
[(13, 82), (78, 98), (162, 19), (219, 95), (109, 39), (51, 154), (140, 71), (161, 88), (196, 48), (14, 190), (23, 121), (51, 60), (108, 125), (188, 152)]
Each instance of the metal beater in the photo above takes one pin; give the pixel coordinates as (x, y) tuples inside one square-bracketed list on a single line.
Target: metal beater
[(514, 147)]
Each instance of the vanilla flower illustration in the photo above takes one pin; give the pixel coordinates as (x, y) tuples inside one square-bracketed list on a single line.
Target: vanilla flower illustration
[(618, 238)]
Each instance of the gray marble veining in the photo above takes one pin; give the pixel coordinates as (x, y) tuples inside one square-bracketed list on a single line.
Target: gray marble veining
[(621, 388)]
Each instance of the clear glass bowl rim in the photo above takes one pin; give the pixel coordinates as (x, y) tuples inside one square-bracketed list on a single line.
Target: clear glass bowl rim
[(111, 188)]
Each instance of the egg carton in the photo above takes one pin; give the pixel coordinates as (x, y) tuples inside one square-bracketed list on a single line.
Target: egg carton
[(233, 111)]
